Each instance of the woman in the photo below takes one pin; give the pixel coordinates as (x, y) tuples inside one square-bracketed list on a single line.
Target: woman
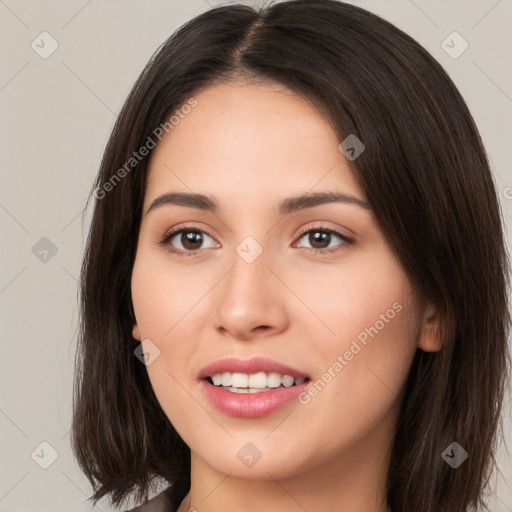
[(294, 291)]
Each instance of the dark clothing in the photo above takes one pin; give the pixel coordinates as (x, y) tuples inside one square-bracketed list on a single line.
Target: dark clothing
[(166, 501)]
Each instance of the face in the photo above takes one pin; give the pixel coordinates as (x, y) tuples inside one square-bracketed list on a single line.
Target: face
[(315, 287)]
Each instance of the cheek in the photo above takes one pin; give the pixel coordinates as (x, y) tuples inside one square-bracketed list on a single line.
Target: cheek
[(363, 383), (370, 332), (367, 297), (165, 309), (160, 295)]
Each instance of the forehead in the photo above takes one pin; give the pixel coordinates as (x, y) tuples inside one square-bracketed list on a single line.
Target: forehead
[(249, 140)]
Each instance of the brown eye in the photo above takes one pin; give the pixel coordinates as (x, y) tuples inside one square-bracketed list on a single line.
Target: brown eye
[(321, 238), (190, 240), (318, 239), (185, 241)]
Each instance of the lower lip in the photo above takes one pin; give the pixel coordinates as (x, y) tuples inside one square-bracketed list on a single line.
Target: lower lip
[(251, 405)]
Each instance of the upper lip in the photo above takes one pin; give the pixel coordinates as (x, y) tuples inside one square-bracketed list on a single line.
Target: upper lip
[(249, 366)]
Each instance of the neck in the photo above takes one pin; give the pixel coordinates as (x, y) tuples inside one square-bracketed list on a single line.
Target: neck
[(356, 481)]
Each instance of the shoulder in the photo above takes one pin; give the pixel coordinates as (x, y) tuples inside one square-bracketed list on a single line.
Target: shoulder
[(160, 503)]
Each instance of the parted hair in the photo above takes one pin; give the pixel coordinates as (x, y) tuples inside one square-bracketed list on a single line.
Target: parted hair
[(424, 172)]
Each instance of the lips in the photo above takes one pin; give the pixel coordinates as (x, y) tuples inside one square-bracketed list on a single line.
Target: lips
[(252, 405), (250, 366)]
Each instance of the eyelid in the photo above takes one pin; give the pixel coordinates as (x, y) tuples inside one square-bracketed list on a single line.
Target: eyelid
[(323, 227), (346, 240), (164, 240), (172, 232)]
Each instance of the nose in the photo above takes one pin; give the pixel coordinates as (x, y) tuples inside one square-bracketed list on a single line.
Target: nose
[(251, 300)]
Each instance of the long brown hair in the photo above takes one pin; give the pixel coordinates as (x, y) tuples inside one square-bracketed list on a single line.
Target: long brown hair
[(426, 176)]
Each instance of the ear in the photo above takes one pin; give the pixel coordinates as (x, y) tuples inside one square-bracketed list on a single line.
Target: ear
[(136, 332), (429, 339)]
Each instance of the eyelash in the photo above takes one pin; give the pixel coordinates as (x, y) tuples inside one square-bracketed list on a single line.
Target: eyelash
[(169, 235)]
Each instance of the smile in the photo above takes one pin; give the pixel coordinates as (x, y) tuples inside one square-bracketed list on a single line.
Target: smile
[(253, 383)]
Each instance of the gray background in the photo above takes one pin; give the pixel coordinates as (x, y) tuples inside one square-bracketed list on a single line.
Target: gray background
[(57, 113)]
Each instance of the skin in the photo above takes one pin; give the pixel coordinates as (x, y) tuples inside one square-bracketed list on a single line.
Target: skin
[(251, 147)]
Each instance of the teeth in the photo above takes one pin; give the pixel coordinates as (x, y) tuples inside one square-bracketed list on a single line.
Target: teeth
[(260, 380), (217, 379), (246, 390), (273, 380), (287, 381), (226, 379), (238, 380), (256, 380)]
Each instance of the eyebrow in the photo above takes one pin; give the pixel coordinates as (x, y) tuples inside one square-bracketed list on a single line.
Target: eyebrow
[(287, 206)]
